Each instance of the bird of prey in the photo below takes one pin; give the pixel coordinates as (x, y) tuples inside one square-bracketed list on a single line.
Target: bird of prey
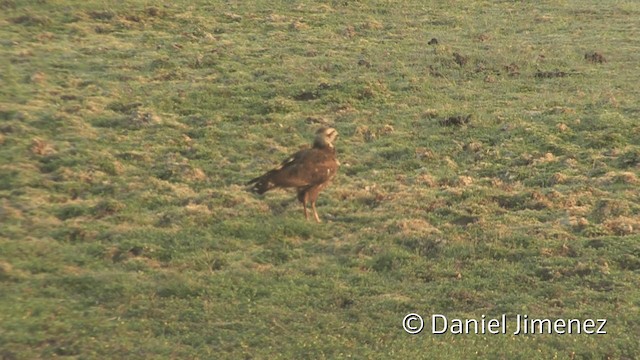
[(308, 171)]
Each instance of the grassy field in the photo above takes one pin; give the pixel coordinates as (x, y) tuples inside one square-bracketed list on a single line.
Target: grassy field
[(495, 172)]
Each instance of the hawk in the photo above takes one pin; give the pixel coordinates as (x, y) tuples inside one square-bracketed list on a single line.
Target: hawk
[(308, 171)]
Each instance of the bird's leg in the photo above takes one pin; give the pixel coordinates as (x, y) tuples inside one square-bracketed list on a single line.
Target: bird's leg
[(315, 213), (303, 200)]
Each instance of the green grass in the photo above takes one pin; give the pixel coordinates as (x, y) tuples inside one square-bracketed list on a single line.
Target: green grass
[(127, 132)]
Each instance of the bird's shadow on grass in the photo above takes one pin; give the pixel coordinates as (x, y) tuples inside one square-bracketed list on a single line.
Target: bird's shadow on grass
[(279, 207)]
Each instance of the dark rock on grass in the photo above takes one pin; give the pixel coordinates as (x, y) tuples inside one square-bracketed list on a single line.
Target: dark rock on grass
[(456, 120)]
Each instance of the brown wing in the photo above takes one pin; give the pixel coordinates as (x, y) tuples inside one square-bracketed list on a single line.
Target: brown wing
[(306, 168), (303, 169)]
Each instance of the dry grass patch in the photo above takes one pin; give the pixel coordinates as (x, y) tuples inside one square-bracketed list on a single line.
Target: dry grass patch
[(464, 181), (619, 177), (558, 178), (195, 174), (9, 212), (179, 190), (546, 158), (473, 146), (197, 209), (412, 227), (423, 153), (42, 147), (6, 270), (427, 180), (623, 225), (298, 25), (576, 223)]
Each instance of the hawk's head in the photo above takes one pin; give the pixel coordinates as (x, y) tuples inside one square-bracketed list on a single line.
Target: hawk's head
[(325, 136)]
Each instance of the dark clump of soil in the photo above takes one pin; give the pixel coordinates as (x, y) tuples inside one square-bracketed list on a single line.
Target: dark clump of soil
[(550, 74), (457, 120), (136, 250), (7, 4), (8, 355), (363, 62), (306, 96), (466, 220), (460, 59), (434, 72), (483, 37), (317, 120), (68, 97), (123, 107), (31, 20), (512, 69), (102, 15), (153, 11), (595, 57), (133, 18)]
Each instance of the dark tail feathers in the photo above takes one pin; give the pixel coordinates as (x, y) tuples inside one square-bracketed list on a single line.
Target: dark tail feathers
[(261, 184)]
